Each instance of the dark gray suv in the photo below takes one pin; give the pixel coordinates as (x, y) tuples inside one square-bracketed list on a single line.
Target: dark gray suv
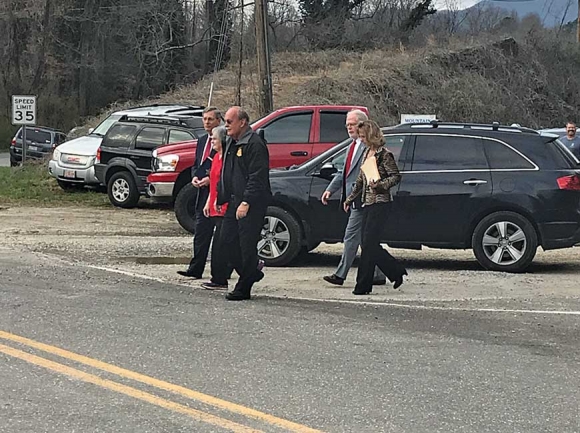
[(41, 142)]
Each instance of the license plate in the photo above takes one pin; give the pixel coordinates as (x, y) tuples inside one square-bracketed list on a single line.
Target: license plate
[(33, 148), (70, 174)]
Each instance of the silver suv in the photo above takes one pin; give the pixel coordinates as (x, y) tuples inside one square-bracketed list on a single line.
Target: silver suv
[(72, 164)]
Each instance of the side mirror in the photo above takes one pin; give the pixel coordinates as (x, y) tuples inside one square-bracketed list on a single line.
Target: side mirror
[(262, 134), (328, 171), (91, 130)]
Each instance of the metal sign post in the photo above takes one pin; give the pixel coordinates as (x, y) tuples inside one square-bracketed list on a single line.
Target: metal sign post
[(24, 113)]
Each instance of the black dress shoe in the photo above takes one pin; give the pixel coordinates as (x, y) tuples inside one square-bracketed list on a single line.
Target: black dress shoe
[(380, 282), (356, 292), (237, 296), (259, 276), (333, 279), (210, 285), (399, 281), (189, 274)]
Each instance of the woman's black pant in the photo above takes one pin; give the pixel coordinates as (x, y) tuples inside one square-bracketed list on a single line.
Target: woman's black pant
[(375, 218), (220, 270)]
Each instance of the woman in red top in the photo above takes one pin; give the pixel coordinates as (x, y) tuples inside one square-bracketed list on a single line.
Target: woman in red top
[(219, 267)]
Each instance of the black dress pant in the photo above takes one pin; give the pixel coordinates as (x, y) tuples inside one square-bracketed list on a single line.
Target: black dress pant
[(203, 233), (220, 270), (240, 242), (375, 217)]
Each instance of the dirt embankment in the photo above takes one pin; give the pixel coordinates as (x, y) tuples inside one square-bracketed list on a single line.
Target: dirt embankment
[(534, 83)]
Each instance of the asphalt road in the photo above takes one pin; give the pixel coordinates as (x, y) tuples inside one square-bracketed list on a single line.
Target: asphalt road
[(267, 365), (5, 159)]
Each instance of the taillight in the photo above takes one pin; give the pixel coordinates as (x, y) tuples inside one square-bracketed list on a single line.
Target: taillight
[(98, 160), (571, 183), (13, 142)]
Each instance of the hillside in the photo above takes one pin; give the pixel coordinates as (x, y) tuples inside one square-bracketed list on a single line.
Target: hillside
[(506, 81), (552, 13)]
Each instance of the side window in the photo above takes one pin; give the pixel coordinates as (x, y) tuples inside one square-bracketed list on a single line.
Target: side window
[(395, 145), (119, 136), (502, 157), (177, 136), (332, 129), (149, 138), (438, 152), (294, 128)]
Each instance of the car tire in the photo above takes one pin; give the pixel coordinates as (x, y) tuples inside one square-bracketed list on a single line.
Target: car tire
[(281, 238), (69, 186), (122, 190), (505, 241), (184, 207), (14, 163)]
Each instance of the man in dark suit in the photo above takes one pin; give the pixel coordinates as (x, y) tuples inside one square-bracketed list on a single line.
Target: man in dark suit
[(204, 226)]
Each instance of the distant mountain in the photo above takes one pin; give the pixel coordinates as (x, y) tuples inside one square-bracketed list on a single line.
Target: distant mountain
[(551, 12)]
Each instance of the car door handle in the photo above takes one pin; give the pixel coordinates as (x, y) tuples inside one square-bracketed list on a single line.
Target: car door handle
[(474, 182), (133, 157), (299, 153)]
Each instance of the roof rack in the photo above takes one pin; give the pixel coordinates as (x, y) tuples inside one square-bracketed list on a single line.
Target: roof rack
[(183, 107), (45, 128), (159, 119), (495, 126)]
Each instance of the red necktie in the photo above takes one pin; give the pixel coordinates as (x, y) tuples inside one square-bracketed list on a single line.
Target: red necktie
[(206, 150), (349, 158)]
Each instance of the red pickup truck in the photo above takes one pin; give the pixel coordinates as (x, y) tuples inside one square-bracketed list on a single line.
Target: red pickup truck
[(294, 135)]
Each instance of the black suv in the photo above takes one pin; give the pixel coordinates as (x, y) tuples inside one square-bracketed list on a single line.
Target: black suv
[(502, 191), (40, 141), (125, 157)]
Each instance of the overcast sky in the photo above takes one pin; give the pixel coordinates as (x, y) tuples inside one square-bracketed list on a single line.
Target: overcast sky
[(463, 4)]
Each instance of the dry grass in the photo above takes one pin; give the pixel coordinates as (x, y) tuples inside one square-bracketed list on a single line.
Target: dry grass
[(534, 85)]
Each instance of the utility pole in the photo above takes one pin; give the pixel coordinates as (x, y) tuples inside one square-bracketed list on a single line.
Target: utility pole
[(263, 52)]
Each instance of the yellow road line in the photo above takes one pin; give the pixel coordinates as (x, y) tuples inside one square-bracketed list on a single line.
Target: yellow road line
[(180, 390), (127, 390)]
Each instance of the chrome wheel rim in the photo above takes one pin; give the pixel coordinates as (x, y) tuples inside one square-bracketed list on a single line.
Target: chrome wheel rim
[(275, 238), (504, 243), (120, 190)]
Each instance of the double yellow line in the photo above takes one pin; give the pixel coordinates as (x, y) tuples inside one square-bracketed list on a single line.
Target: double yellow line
[(199, 397)]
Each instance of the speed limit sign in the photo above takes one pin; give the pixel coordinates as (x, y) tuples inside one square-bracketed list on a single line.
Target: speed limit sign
[(23, 110)]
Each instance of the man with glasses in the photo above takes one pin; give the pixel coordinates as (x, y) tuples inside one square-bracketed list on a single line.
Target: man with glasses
[(245, 185), (344, 182)]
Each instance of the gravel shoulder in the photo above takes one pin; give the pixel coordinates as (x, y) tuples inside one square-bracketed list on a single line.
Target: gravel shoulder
[(150, 242)]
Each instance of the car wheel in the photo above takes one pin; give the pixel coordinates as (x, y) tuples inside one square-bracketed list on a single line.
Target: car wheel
[(14, 163), (505, 241), (184, 207), (281, 238), (69, 186), (122, 190)]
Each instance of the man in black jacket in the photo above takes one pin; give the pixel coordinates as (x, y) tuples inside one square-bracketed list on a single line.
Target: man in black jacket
[(204, 226), (245, 186)]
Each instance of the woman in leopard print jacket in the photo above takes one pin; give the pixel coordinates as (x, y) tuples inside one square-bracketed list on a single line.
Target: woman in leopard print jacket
[(376, 203)]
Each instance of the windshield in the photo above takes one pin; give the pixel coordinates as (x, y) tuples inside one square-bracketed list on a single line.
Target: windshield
[(106, 124), (314, 162), (36, 136)]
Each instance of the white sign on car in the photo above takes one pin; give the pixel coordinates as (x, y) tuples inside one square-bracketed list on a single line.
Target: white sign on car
[(417, 118)]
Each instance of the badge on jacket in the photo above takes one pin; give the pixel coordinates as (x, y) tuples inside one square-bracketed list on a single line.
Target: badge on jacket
[(239, 151)]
